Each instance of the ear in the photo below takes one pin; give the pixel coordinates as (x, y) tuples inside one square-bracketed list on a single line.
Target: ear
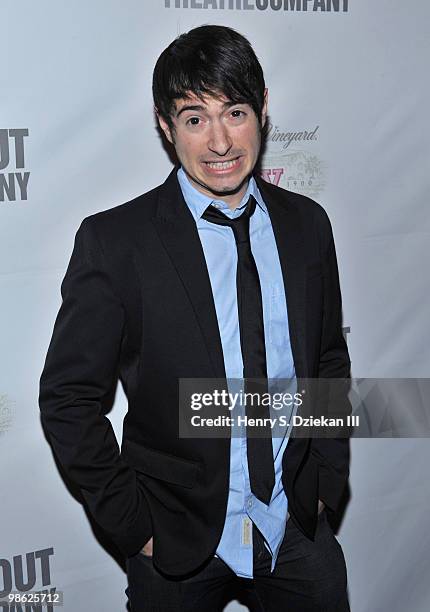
[(264, 109), (164, 126)]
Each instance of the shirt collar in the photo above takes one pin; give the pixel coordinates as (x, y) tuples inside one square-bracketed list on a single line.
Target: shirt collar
[(198, 202)]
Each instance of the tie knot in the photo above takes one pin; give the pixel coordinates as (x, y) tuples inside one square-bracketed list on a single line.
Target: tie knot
[(239, 225)]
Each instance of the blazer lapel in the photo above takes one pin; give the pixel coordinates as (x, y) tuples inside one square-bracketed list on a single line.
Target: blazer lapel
[(177, 230), (288, 231)]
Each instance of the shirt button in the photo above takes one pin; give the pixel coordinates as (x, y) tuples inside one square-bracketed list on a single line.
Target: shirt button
[(249, 503)]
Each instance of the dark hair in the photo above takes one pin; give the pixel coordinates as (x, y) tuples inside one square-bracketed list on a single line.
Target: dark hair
[(211, 60)]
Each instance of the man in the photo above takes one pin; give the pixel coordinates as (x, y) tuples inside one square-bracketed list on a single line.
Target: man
[(213, 275)]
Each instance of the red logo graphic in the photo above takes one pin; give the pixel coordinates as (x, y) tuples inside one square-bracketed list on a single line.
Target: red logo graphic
[(276, 173)]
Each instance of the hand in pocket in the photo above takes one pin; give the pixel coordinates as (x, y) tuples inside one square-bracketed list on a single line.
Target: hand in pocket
[(147, 549)]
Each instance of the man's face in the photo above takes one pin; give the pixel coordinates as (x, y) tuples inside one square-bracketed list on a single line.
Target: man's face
[(217, 143)]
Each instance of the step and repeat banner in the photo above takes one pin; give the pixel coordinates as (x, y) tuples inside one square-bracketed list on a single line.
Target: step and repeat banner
[(348, 126)]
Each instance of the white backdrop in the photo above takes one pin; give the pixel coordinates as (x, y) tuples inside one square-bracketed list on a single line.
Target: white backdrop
[(77, 135)]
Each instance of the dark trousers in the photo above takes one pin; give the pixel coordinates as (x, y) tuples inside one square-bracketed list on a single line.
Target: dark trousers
[(308, 577)]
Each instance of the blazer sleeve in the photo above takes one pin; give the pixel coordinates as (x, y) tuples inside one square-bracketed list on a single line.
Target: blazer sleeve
[(80, 369), (332, 454)]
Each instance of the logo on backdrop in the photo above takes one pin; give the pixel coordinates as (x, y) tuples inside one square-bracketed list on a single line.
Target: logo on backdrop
[(27, 572), (5, 413), (13, 177), (291, 162), (325, 6)]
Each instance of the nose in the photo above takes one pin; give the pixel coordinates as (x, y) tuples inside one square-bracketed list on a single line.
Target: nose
[(219, 140)]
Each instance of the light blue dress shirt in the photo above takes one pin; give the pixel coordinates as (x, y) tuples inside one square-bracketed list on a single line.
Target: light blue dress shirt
[(219, 247)]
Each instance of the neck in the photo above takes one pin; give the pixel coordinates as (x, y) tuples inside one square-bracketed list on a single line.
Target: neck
[(231, 199), (234, 200)]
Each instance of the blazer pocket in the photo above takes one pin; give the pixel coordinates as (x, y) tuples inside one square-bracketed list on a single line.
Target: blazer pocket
[(159, 464)]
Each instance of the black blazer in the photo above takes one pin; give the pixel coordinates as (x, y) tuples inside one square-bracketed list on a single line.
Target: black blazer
[(137, 303)]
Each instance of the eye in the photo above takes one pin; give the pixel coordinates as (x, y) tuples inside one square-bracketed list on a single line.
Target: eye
[(193, 121), (238, 113)]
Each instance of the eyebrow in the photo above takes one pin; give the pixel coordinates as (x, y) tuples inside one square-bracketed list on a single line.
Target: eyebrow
[(199, 107)]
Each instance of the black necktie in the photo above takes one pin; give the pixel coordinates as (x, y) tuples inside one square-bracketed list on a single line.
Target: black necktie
[(251, 326)]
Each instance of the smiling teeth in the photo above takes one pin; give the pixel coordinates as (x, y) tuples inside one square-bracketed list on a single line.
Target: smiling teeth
[(221, 165)]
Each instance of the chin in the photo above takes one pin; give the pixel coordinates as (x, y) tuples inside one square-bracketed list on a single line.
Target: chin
[(227, 188)]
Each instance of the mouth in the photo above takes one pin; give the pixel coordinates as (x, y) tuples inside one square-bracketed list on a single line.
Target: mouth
[(222, 167)]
